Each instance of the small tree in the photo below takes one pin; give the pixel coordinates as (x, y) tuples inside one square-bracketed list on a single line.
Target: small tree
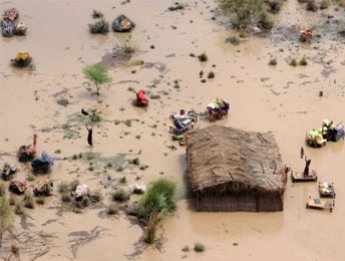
[(98, 74), (6, 218)]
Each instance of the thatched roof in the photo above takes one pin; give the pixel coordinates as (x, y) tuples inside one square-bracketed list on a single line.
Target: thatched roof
[(218, 155)]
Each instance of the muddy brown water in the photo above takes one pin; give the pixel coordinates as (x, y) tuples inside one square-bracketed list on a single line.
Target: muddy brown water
[(281, 99)]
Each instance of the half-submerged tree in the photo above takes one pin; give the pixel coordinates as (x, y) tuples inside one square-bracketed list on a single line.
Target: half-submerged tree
[(158, 201), (6, 218), (98, 74)]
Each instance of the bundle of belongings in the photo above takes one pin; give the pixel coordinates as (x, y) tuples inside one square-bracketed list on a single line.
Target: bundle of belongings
[(306, 35), (8, 170), (142, 100), (27, 152), (22, 59), (9, 25), (43, 188), (331, 131), (17, 186), (43, 164), (122, 24), (217, 109), (80, 191)]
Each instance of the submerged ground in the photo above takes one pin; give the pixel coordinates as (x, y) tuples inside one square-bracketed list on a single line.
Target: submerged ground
[(282, 99)]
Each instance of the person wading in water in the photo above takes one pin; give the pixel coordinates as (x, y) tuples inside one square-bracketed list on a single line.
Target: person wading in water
[(306, 169), (89, 135)]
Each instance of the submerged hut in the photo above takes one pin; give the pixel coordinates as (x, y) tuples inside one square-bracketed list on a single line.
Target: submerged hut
[(235, 170)]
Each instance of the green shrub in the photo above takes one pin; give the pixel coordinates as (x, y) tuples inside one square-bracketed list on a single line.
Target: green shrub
[(210, 75), (245, 11), (293, 62), (324, 4), (233, 40), (265, 22), (40, 200), (30, 177), (198, 247), (311, 6), (97, 14), (63, 187), (203, 57), (6, 218), (12, 200), (18, 210), (120, 195), (158, 198), (85, 202), (303, 62), (96, 196), (274, 6), (99, 27), (112, 209), (28, 201), (73, 185), (2, 190), (150, 232), (94, 117), (185, 249), (66, 197), (273, 62)]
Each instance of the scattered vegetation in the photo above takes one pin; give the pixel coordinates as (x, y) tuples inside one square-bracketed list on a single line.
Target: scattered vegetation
[(65, 189), (112, 209), (274, 6), (66, 197), (311, 6), (98, 74), (40, 200), (273, 62), (99, 27), (203, 57), (233, 40), (198, 247), (211, 75), (158, 200), (324, 4), (303, 62), (96, 196), (18, 210), (97, 14), (185, 249), (15, 250), (2, 190), (12, 200), (248, 12), (265, 22), (30, 177), (73, 203), (176, 7), (95, 117), (28, 201), (293, 62), (6, 218), (120, 195)]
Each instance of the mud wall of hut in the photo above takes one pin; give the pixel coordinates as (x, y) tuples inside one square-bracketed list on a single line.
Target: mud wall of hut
[(246, 201)]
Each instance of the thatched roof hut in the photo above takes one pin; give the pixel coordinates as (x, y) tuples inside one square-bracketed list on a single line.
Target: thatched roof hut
[(235, 170)]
